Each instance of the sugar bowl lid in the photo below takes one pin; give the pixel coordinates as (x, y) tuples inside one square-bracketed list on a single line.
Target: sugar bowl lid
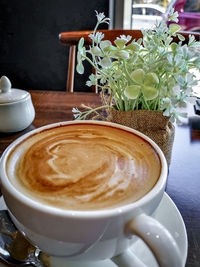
[(8, 94)]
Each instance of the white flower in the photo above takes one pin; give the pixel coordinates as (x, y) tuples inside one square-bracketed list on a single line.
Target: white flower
[(96, 37), (101, 18), (127, 38)]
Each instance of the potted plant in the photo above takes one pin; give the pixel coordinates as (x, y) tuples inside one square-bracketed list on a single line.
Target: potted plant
[(143, 82)]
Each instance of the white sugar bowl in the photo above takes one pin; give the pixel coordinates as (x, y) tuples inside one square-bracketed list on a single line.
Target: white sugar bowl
[(16, 108)]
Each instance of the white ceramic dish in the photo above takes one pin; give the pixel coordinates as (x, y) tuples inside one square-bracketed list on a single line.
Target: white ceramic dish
[(166, 213)]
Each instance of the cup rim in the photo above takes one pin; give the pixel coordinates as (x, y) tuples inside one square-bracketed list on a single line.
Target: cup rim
[(101, 213)]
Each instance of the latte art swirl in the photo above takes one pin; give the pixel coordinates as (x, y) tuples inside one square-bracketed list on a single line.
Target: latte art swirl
[(84, 167)]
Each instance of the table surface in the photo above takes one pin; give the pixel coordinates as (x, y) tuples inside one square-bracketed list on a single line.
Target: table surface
[(183, 184)]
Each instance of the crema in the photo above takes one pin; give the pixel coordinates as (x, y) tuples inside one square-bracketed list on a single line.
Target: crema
[(84, 167)]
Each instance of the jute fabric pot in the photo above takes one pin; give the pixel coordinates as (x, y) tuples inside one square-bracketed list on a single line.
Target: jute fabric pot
[(151, 123)]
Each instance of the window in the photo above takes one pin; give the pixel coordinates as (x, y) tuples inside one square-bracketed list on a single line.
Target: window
[(192, 6), (153, 12), (137, 11)]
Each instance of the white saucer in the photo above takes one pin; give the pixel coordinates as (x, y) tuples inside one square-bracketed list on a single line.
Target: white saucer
[(166, 213)]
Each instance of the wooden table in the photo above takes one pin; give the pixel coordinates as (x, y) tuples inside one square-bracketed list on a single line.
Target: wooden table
[(183, 184)]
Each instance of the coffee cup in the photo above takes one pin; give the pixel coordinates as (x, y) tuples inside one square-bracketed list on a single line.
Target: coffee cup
[(86, 190)]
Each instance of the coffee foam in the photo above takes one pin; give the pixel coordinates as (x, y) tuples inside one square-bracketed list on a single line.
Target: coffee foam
[(84, 167)]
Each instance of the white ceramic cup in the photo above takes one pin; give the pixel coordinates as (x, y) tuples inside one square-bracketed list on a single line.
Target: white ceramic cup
[(92, 235)]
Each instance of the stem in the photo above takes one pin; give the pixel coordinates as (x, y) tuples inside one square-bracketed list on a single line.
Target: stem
[(147, 105), (86, 113), (95, 29), (158, 60), (126, 72), (99, 70), (93, 57), (155, 104), (134, 104), (117, 98), (92, 63)]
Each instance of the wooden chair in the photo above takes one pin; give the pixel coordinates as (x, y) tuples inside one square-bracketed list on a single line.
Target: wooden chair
[(71, 39)]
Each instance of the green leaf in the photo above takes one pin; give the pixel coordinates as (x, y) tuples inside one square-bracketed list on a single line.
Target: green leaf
[(104, 45), (92, 80), (173, 15), (174, 46), (120, 43), (138, 76), (80, 44), (122, 54), (195, 44), (178, 59), (191, 40), (111, 48), (139, 41), (151, 79), (133, 47), (80, 68), (96, 51), (180, 80), (181, 37), (174, 28), (149, 93), (170, 59), (168, 41), (106, 62), (79, 58), (132, 91)]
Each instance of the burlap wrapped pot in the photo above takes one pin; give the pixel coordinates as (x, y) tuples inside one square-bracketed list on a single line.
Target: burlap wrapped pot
[(151, 123)]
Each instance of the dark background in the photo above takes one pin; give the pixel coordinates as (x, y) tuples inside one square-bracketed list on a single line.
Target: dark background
[(30, 52)]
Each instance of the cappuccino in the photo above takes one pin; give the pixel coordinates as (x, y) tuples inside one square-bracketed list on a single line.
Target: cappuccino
[(84, 167)]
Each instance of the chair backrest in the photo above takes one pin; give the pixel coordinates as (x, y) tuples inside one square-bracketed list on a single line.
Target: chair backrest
[(71, 39)]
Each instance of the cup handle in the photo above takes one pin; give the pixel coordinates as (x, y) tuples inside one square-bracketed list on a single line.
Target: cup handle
[(157, 238)]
